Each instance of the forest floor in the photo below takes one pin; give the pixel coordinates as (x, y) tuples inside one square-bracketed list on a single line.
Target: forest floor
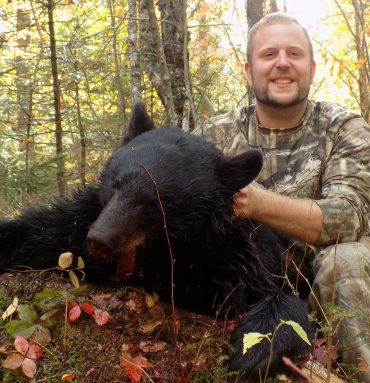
[(124, 336)]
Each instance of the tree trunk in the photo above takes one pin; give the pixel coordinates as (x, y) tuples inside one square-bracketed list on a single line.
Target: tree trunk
[(174, 34), (154, 59), (254, 9), (271, 6), (81, 129), (23, 74), (362, 58), (360, 9), (134, 51), (117, 68), (57, 96)]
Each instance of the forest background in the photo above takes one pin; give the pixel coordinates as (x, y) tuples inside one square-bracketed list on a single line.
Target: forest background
[(70, 71)]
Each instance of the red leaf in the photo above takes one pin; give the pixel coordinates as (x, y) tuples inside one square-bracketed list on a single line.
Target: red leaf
[(321, 354), (34, 352), (141, 361), (101, 317), (88, 308), (71, 305), (29, 367), (362, 365), (133, 367), (74, 313), (21, 344), (13, 361)]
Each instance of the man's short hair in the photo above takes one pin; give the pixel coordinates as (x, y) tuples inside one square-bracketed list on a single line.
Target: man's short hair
[(269, 19)]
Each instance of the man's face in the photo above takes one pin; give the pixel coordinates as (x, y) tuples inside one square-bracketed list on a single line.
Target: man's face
[(281, 70)]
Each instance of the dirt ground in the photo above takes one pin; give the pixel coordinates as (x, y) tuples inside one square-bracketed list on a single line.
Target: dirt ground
[(140, 327), (135, 338)]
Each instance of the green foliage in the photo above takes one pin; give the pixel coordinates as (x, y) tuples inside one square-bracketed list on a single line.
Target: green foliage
[(218, 373), (30, 326), (253, 338)]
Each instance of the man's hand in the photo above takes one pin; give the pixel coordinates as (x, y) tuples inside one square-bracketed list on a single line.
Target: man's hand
[(300, 219)]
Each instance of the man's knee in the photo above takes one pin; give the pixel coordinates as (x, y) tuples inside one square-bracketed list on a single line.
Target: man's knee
[(344, 259)]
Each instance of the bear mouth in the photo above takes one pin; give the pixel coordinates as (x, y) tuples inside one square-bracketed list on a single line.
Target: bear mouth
[(124, 256), (125, 266)]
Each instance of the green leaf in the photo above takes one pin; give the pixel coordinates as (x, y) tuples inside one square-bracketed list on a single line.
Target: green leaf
[(74, 279), (80, 263), (81, 290), (16, 327), (38, 333), (253, 338), (45, 294), (27, 313), (50, 317), (298, 329)]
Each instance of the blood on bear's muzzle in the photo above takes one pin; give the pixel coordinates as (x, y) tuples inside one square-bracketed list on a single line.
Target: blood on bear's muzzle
[(123, 252)]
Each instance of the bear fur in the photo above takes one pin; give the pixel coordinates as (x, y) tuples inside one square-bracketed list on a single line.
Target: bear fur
[(163, 181)]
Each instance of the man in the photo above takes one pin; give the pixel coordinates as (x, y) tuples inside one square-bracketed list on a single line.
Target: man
[(314, 188)]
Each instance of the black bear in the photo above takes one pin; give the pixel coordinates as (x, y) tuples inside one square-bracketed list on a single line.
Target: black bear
[(159, 182)]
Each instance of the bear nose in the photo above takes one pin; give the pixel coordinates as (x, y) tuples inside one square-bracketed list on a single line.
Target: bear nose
[(98, 245)]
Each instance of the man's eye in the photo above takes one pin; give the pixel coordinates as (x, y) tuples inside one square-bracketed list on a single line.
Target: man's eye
[(267, 54)]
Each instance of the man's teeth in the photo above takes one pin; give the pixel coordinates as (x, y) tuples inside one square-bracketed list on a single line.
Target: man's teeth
[(282, 81)]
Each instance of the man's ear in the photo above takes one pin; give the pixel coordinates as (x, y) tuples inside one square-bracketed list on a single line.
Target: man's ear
[(140, 122), (248, 72), (313, 69), (238, 171)]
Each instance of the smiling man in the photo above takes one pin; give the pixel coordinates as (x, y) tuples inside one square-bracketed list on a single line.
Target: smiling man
[(314, 187)]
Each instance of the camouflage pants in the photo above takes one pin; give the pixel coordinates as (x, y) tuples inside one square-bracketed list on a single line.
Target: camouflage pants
[(342, 277)]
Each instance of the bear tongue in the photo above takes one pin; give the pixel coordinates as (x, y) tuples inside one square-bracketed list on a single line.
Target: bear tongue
[(125, 266)]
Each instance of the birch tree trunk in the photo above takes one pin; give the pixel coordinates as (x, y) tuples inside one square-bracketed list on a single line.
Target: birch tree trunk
[(134, 50), (57, 96)]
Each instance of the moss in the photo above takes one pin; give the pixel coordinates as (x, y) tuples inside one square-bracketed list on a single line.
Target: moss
[(7, 376)]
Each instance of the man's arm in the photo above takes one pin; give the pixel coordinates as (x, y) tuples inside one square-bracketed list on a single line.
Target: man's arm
[(300, 219)]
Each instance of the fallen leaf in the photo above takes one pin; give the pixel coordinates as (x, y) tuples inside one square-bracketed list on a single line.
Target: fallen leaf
[(69, 377), (21, 344), (149, 327), (88, 308), (133, 367), (29, 367), (65, 260), (131, 305), (11, 309), (101, 317), (152, 346), (13, 361), (151, 300), (362, 365), (74, 313), (34, 352)]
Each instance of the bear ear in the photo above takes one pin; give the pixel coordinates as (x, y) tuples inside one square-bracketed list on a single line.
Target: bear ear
[(238, 171), (140, 122)]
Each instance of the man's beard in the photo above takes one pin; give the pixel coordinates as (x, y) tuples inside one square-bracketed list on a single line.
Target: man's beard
[(265, 99)]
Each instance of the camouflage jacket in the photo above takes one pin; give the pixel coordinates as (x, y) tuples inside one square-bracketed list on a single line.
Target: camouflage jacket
[(326, 158)]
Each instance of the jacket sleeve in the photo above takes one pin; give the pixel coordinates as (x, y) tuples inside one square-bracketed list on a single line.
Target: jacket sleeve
[(345, 194)]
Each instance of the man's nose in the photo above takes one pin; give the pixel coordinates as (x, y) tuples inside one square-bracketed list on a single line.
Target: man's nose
[(282, 60)]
